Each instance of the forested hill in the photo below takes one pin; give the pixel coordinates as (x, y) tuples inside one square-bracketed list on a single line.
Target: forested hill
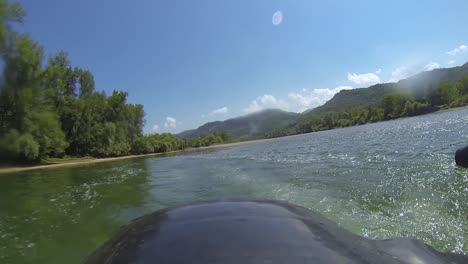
[(422, 93), (425, 83), (361, 97), (251, 126), (419, 86)]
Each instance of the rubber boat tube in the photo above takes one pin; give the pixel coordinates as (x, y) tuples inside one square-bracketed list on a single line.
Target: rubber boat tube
[(461, 157), (253, 231)]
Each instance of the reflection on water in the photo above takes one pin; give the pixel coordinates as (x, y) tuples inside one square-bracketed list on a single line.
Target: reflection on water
[(391, 179)]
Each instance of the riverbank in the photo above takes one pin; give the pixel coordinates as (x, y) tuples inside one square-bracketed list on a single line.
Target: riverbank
[(88, 161), (59, 163)]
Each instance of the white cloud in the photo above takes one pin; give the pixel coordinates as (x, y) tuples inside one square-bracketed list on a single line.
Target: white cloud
[(277, 18), (253, 107), (170, 122), (221, 110), (451, 62), (296, 101), (267, 99), (156, 128), (406, 71), (264, 102), (378, 71), (431, 66), (364, 79), (400, 73), (308, 99), (459, 49)]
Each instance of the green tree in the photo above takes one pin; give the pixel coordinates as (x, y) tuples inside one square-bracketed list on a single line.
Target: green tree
[(317, 124), (448, 92), (15, 146), (142, 145), (46, 131), (22, 68), (86, 82), (376, 114), (409, 109), (393, 105), (462, 85), (9, 13), (60, 80)]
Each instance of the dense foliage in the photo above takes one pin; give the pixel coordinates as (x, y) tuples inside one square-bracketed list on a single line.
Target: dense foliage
[(165, 142), (52, 109), (390, 106)]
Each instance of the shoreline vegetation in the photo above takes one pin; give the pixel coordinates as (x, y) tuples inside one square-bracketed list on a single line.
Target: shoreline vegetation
[(51, 112), (445, 96), (85, 161), (72, 162)]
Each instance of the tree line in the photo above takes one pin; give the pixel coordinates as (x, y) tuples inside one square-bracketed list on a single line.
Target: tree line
[(51, 109), (391, 106)]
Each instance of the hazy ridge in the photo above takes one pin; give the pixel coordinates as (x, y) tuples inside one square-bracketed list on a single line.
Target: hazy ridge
[(259, 124)]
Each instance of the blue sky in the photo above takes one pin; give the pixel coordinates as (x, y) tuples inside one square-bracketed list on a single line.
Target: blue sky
[(190, 62)]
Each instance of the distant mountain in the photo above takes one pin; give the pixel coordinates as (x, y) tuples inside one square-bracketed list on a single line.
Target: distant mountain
[(419, 85), (426, 82), (252, 126), (257, 125), (360, 97)]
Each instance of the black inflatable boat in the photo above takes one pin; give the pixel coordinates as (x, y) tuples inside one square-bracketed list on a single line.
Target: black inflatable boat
[(253, 231)]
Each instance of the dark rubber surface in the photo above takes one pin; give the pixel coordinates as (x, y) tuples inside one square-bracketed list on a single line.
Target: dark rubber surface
[(242, 231), (461, 157)]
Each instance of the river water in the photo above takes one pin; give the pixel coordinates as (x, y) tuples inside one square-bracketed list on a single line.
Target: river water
[(384, 180)]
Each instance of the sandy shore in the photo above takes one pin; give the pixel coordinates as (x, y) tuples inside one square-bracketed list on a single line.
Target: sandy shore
[(71, 163)]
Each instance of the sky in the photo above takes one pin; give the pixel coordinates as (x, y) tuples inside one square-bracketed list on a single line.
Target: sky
[(191, 62)]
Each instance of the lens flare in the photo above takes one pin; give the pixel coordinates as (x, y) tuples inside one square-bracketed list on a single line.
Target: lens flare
[(277, 18)]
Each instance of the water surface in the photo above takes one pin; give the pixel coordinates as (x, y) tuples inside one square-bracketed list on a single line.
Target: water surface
[(384, 180)]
